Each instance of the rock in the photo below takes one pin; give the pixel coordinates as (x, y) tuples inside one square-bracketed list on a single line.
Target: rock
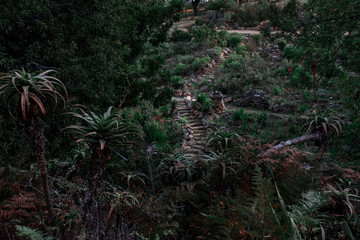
[(187, 94), (275, 58), (204, 88), (178, 93), (347, 149), (225, 52), (255, 98), (228, 99), (210, 65), (187, 147), (236, 26), (222, 27), (198, 106)]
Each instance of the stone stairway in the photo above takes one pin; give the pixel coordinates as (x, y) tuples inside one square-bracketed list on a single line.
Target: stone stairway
[(194, 130)]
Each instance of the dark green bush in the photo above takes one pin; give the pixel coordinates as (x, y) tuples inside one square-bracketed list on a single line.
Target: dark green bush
[(177, 82), (180, 36), (181, 69), (301, 78), (206, 102), (295, 53), (217, 4), (200, 63), (164, 97), (198, 22), (234, 40), (204, 32)]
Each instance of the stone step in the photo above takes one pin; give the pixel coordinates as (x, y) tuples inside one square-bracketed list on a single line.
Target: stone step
[(199, 134), (184, 112), (198, 138), (193, 151), (199, 147), (195, 124), (198, 128)]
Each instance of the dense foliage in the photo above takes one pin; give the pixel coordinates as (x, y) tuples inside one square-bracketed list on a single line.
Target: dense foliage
[(95, 45), (191, 131)]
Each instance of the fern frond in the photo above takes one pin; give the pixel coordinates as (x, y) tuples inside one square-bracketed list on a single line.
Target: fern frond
[(31, 234)]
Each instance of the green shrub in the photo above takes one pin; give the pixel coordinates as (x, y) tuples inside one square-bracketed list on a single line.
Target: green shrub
[(181, 69), (241, 49), (262, 118), (256, 38), (277, 90), (265, 32), (303, 108), (234, 40), (281, 42), (204, 32), (200, 63), (155, 131), (218, 50), (222, 35), (239, 115), (198, 22), (233, 63), (295, 53), (177, 82), (186, 59), (352, 132), (180, 36), (251, 15), (301, 78), (217, 4), (164, 97), (306, 95), (206, 102)]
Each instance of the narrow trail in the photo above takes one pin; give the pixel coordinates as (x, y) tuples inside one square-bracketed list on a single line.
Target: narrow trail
[(195, 129), (184, 24)]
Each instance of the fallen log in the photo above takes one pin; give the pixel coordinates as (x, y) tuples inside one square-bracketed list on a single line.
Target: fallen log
[(317, 136)]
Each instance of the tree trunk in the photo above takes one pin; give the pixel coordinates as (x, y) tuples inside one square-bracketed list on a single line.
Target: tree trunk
[(195, 4), (34, 129), (95, 182), (240, 2), (317, 136)]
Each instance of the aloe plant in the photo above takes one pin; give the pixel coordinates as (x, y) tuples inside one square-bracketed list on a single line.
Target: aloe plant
[(101, 132), (29, 91)]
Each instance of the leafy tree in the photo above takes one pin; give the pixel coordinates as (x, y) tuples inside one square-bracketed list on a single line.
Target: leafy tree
[(28, 89), (95, 45), (327, 32)]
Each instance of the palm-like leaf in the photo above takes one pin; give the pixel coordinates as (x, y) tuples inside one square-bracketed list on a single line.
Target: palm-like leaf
[(30, 88), (222, 138), (324, 124), (107, 129)]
